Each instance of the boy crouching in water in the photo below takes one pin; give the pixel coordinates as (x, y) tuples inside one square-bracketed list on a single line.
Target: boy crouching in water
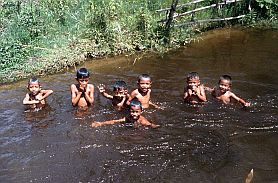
[(36, 96), (222, 91), (120, 94), (82, 94), (134, 118), (143, 92), (194, 92)]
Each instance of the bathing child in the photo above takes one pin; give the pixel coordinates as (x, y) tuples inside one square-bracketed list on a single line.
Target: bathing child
[(82, 94), (222, 91), (120, 94), (194, 92), (134, 118), (36, 96), (143, 92)]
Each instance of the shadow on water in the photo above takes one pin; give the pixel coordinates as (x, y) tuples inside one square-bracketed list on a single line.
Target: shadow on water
[(207, 143)]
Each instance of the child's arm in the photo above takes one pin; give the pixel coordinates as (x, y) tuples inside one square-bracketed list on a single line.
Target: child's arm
[(208, 89), (101, 89), (111, 122), (124, 100), (201, 93), (75, 95), (27, 101), (45, 93), (243, 102), (154, 105), (132, 96), (145, 122), (89, 96), (185, 93)]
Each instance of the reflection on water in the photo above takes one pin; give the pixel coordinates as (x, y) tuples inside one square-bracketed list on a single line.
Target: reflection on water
[(207, 143)]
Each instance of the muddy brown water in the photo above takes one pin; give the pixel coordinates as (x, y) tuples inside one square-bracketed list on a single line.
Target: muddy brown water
[(210, 143)]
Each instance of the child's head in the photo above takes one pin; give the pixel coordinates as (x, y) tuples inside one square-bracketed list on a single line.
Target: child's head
[(144, 82), (225, 83), (193, 79), (34, 86), (82, 73), (135, 108), (82, 76), (120, 88)]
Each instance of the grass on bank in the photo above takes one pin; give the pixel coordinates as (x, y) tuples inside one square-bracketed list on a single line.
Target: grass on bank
[(39, 37)]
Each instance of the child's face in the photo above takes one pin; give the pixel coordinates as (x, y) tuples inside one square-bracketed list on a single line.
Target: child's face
[(135, 112), (34, 88), (83, 82), (120, 92), (224, 85), (193, 83), (144, 85)]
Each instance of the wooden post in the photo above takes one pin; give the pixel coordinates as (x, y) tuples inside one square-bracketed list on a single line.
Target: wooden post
[(193, 14), (216, 9), (171, 14), (249, 5)]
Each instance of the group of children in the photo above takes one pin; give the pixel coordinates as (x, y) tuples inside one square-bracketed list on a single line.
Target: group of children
[(82, 95), (194, 91)]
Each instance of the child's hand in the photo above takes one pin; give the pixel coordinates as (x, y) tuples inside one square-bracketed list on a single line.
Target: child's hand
[(39, 98), (95, 124), (81, 89), (190, 92), (247, 104), (101, 88), (195, 90), (127, 95), (126, 92), (155, 126)]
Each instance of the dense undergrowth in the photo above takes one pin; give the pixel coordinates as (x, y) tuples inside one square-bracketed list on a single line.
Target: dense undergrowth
[(39, 37)]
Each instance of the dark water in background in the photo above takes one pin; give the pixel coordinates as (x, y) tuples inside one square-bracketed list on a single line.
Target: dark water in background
[(210, 143)]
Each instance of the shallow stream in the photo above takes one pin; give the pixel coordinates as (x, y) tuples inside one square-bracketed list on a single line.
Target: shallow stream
[(210, 143)]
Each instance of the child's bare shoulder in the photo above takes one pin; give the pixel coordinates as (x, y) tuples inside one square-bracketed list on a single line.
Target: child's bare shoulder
[(229, 93), (73, 86), (135, 92), (143, 120), (90, 86)]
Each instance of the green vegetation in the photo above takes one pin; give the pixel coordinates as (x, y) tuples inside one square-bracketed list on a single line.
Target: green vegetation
[(46, 36)]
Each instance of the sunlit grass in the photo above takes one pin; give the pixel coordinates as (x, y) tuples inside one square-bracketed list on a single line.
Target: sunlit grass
[(47, 36)]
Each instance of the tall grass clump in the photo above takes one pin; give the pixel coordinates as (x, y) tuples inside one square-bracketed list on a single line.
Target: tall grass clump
[(46, 36)]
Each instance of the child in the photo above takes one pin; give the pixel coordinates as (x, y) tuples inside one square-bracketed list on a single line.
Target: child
[(120, 96), (143, 93), (82, 94), (194, 92), (222, 91), (134, 119), (36, 96)]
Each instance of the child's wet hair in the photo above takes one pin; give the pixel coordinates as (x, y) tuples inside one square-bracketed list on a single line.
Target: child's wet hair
[(136, 103), (82, 73), (144, 77), (192, 75), (119, 85), (226, 77), (33, 80)]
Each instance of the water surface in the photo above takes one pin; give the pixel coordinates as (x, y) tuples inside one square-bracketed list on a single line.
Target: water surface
[(210, 143)]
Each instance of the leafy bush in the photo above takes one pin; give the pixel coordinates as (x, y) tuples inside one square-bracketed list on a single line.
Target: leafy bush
[(45, 36)]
